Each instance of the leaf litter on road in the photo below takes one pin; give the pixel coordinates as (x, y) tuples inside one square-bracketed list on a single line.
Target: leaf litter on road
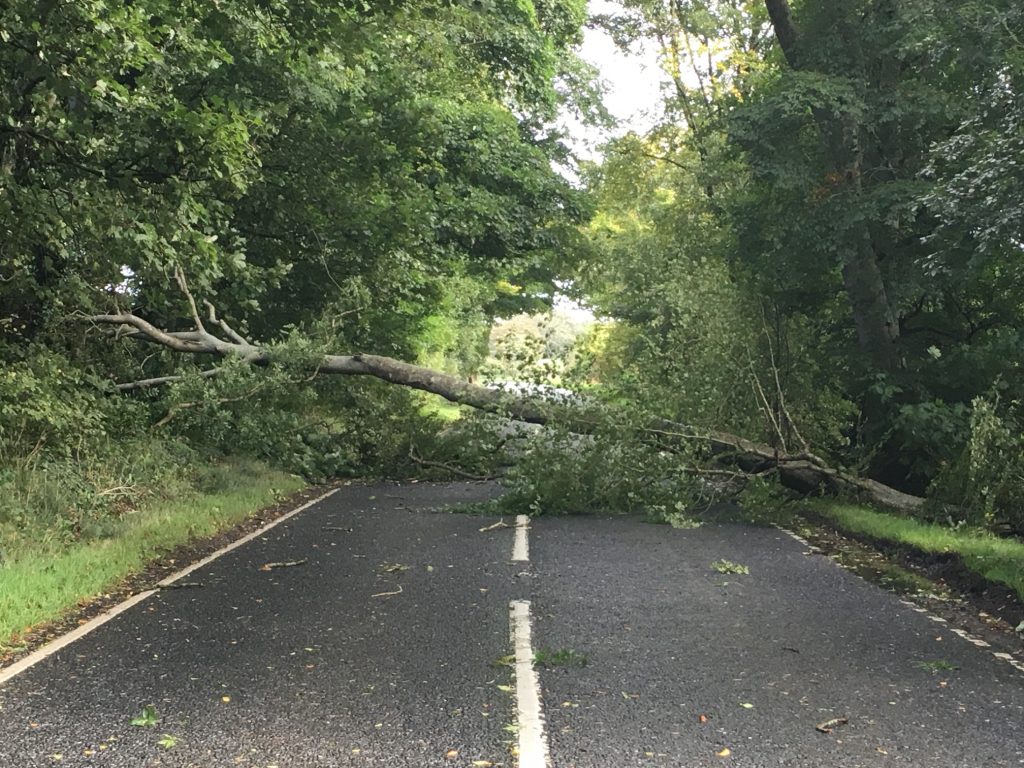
[(728, 566), (146, 718)]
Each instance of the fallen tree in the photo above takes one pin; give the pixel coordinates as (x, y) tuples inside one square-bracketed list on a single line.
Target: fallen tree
[(803, 471)]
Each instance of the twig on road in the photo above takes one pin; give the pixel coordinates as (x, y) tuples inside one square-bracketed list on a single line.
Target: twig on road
[(500, 524), (181, 585), (287, 564), (389, 594), (829, 725)]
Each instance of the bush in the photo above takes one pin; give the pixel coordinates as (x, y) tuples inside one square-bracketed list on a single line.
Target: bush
[(612, 470), (985, 484)]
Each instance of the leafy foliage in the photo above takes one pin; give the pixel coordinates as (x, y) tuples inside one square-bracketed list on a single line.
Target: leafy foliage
[(818, 246), (330, 175)]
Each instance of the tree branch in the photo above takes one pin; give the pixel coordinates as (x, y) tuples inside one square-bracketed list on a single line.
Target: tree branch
[(180, 277), (161, 380), (785, 30), (801, 470), (212, 318)]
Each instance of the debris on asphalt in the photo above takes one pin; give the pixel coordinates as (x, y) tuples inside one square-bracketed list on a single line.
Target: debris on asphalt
[(500, 524), (286, 564), (829, 725), (181, 585)]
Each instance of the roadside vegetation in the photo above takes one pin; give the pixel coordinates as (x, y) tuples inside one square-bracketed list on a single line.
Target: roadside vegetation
[(815, 250), (997, 559), (47, 571)]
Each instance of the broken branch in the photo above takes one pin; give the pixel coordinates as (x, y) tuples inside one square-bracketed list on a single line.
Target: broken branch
[(803, 470)]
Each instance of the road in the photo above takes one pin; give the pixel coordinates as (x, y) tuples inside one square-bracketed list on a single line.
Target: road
[(389, 645)]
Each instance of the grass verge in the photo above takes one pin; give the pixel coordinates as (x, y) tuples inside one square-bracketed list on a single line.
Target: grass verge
[(996, 559), (438, 407), (40, 582)]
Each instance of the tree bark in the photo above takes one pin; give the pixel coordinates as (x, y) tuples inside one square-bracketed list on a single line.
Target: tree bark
[(804, 470)]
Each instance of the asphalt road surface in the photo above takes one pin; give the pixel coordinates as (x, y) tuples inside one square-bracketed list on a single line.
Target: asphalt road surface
[(390, 645)]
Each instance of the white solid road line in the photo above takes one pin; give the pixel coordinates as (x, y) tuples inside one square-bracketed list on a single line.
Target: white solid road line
[(533, 743), (521, 545), (65, 640)]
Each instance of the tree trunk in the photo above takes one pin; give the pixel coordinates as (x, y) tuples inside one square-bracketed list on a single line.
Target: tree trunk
[(877, 329)]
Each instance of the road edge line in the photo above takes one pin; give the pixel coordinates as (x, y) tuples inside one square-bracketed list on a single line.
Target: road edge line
[(533, 742), (78, 633), (963, 634), (244, 540)]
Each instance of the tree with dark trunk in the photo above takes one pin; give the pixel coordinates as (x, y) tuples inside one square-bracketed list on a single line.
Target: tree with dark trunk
[(843, 137)]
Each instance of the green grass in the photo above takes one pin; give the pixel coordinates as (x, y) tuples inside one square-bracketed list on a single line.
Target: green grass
[(997, 559), (40, 582), (437, 406)]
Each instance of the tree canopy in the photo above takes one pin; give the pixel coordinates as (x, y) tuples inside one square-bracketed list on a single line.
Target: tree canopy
[(818, 247)]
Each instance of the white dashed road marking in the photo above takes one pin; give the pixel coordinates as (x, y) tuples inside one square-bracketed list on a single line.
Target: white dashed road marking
[(533, 742), (65, 640), (521, 546)]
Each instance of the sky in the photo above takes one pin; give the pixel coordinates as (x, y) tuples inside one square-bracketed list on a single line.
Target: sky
[(633, 85), (632, 97)]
